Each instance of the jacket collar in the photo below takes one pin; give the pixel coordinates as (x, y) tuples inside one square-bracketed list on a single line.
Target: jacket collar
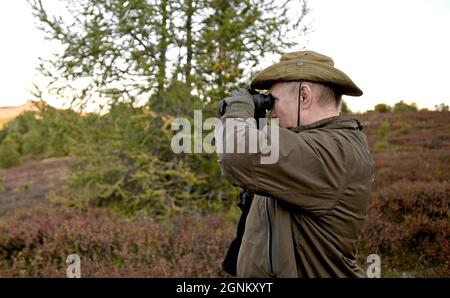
[(336, 122)]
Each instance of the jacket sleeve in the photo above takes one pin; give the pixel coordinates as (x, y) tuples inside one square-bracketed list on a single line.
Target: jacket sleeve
[(308, 170)]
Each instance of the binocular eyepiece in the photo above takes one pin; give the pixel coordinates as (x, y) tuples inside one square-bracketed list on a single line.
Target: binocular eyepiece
[(263, 103)]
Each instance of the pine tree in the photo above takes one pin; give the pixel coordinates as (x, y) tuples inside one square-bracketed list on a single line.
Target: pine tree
[(135, 50)]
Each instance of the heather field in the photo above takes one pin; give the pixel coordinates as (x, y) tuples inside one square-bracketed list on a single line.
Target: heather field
[(407, 224)]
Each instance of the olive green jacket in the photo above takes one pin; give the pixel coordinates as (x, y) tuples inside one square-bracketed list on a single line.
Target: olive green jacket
[(310, 205)]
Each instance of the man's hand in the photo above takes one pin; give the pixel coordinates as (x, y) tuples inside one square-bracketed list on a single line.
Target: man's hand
[(239, 104)]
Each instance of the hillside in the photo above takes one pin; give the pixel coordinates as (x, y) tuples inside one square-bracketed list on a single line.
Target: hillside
[(9, 113), (407, 222)]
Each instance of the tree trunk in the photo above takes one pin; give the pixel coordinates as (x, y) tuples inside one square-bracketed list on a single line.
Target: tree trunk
[(189, 43), (163, 42)]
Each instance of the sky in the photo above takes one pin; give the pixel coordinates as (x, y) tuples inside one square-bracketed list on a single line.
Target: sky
[(392, 49)]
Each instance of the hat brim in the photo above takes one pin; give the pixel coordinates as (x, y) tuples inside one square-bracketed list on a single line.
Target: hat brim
[(295, 70)]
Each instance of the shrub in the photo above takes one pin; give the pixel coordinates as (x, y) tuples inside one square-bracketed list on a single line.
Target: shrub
[(127, 164), (9, 153), (404, 107), (33, 143), (382, 137), (382, 108)]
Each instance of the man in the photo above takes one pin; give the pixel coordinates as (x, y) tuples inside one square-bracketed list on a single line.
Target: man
[(309, 206)]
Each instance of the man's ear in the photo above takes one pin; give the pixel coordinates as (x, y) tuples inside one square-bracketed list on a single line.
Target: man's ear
[(306, 96)]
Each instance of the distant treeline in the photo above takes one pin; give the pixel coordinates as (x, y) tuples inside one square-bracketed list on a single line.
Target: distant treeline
[(401, 106)]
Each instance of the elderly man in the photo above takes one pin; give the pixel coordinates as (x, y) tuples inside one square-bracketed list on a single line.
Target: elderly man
[(309, 206)]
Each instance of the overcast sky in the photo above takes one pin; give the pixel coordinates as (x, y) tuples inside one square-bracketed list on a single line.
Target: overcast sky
[(393, 50)]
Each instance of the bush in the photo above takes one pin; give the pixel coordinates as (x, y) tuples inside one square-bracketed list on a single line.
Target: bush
[(404, 107), (127, 164), (33, 143), (9, 153), (49, 132), (382, 108)]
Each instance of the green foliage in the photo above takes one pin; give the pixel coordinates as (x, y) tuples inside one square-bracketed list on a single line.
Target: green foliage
[(382, 136), (121, 48), (127, 164), (62, 131), (10, 152), (239, 31), (49, 132), (131, 183), (400, 106), (177, 100), (23, 123), (404, 107), (125, 160), (3, 134), (123, 45), (33, 143), (382, 108), (345, 110)]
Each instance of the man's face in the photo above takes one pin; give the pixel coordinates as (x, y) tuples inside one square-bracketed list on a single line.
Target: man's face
[(285, 103)]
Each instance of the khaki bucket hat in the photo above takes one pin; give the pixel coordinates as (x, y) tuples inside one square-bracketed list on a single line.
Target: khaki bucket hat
[(307, 66)]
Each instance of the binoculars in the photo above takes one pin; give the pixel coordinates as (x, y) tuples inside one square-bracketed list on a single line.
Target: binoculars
[(263, 103)]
